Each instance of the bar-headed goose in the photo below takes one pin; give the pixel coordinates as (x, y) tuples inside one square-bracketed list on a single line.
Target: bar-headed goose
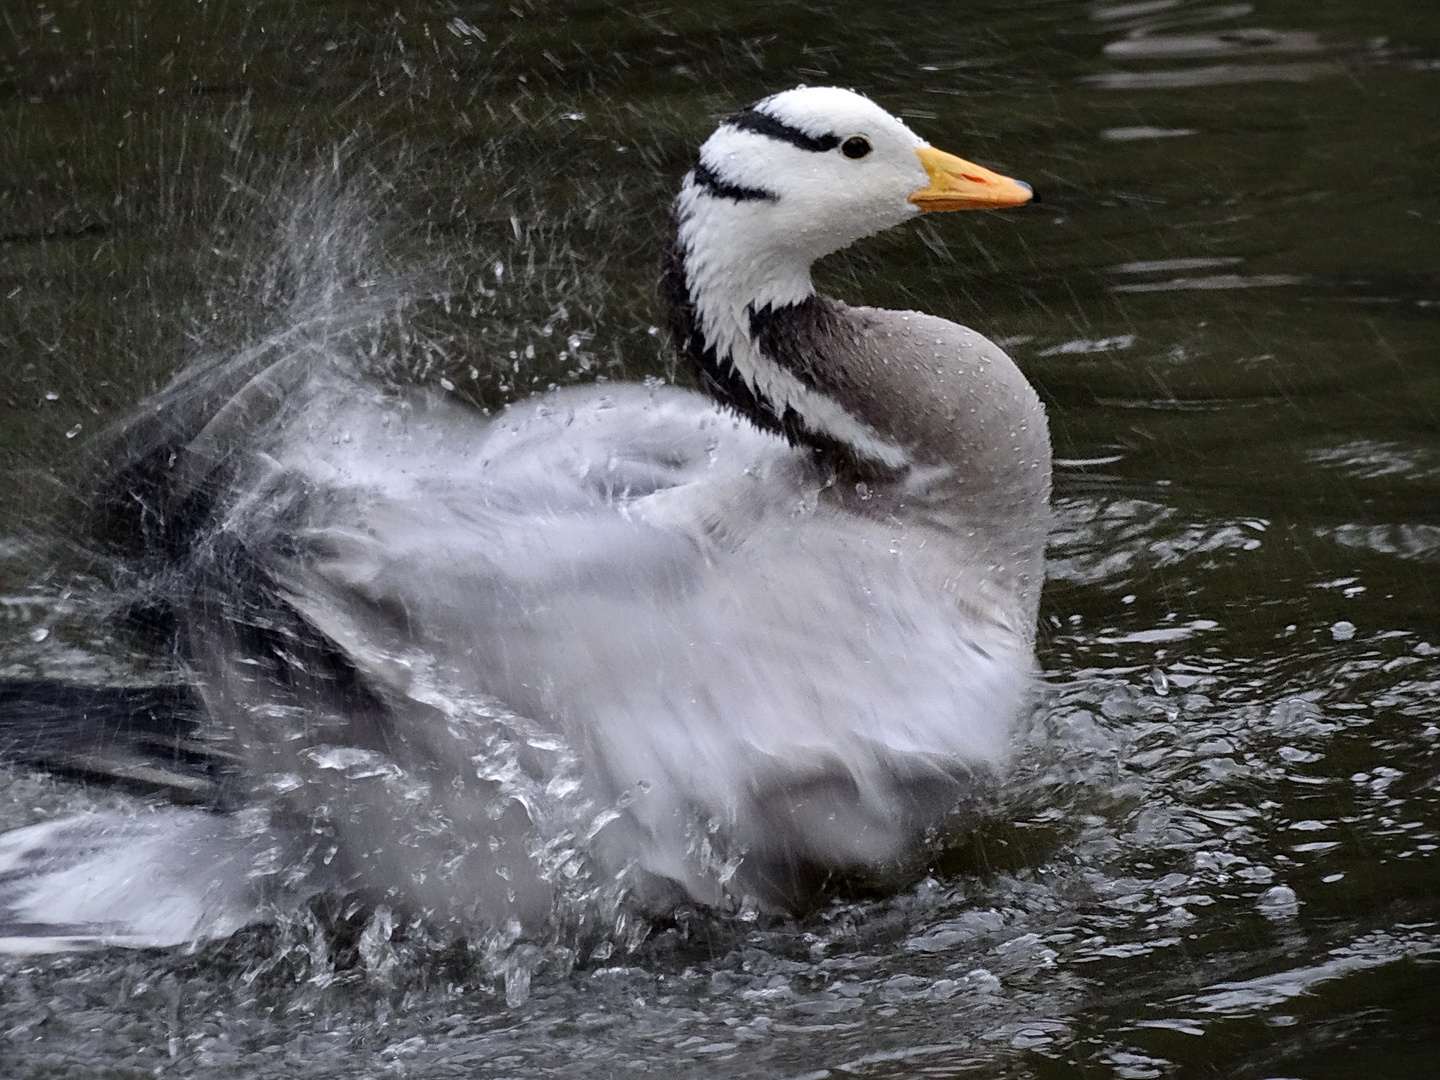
[(713, 644)]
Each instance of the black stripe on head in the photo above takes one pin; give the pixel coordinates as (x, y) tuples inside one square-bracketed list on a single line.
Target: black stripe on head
[(706, 179), (761, 123)]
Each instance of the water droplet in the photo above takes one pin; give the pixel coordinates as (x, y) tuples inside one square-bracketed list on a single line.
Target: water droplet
[(1279, 902), (518, 967)]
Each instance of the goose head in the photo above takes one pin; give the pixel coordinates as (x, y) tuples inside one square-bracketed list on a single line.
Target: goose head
[(811, 170), (782, 183)]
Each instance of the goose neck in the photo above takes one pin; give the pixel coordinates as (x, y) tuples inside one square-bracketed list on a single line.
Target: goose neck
[(728, 286)]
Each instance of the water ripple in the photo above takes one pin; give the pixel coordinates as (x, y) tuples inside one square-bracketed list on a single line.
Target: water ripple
[(1214, 75)]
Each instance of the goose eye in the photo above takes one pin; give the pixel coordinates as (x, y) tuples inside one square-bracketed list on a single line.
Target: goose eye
[(856, 147)]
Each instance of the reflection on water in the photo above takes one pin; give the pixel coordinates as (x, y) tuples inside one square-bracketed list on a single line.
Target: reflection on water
[(1144, 45), (1143, 131), (1209, 281), (1369, 460), (1214, 75), (1404, 541), (1146, 38), (1217, 849)]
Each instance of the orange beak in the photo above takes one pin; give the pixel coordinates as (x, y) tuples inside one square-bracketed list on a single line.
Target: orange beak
[(957, 184)]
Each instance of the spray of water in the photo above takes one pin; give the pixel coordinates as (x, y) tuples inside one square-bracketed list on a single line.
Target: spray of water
[(404, 790)]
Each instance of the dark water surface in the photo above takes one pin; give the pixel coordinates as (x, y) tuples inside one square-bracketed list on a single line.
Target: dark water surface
[(1217, 854)]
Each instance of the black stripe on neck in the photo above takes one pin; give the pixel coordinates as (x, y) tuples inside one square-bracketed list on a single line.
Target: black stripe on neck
[(775, 332), (761, 123), (707, 181), (717, 374)]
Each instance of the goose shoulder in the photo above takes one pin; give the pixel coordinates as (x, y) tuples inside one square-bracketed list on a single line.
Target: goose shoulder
[(938, 380)]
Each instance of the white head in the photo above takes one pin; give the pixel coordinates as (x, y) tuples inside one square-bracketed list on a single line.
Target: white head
[(804, 173), (835, 167)]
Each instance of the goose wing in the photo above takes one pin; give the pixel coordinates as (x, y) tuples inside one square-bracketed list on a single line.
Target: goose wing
[(637, 576)]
